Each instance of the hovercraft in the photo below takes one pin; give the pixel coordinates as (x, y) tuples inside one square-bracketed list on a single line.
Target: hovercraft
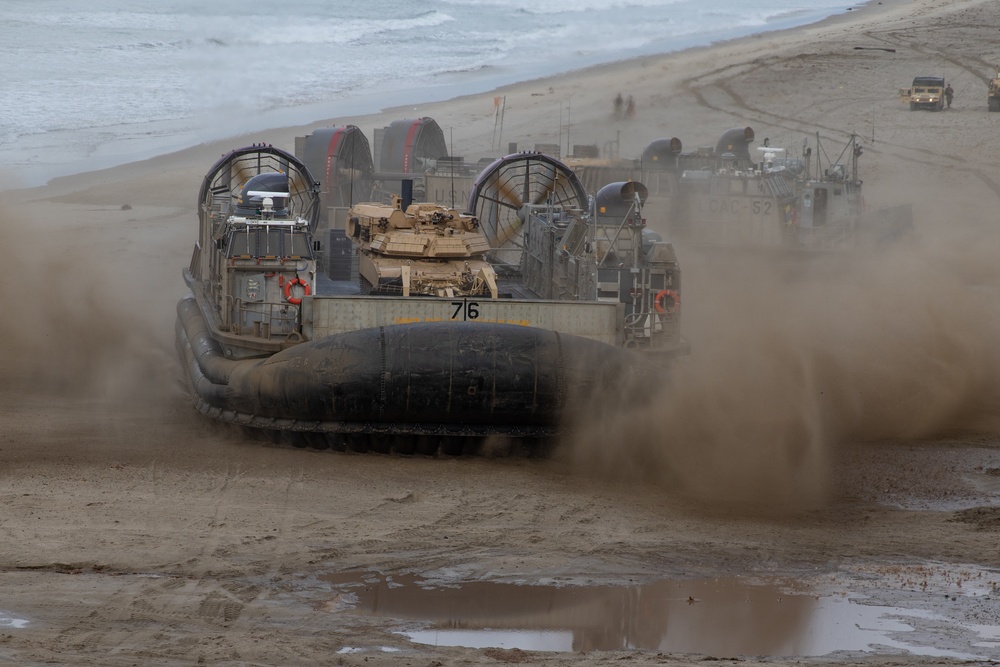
[(269, 343)]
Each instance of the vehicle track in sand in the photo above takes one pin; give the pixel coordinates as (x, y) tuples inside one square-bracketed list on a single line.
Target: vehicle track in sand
[(731, 90)]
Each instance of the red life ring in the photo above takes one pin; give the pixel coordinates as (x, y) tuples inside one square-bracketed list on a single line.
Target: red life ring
[(288, 290), (660, 302)]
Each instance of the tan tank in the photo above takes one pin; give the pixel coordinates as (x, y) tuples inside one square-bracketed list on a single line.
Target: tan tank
[(426, 250)]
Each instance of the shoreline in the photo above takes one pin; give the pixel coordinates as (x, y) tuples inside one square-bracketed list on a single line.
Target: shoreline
[(385, 104), (574, 107)]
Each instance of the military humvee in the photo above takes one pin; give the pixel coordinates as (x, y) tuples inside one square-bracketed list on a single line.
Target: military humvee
[(926, 92)]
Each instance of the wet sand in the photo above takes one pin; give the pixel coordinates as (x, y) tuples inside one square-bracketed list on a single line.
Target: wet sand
[(835, 427)]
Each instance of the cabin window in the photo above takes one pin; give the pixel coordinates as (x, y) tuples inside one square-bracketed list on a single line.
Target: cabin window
[(299, 245), (268, 241), (241, 243), (607, 276)]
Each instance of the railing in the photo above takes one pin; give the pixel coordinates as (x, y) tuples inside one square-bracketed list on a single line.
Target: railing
[(649, 329)]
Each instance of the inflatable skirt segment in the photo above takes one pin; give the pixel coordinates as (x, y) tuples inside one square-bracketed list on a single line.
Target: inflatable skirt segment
[(456, 377)]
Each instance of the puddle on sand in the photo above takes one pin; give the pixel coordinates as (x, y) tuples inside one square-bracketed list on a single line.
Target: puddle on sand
[(719, 617), (8, 621)]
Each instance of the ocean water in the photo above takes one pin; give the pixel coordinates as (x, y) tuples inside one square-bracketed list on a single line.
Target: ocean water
[(91, 85)]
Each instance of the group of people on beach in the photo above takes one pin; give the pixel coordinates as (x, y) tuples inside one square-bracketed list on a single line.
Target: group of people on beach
[(624, 108)]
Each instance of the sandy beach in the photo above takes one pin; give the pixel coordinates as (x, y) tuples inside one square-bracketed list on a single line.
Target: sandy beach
[(136, 531)]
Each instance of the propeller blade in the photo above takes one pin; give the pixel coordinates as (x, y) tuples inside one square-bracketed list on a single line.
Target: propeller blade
[(546, 183), (507, 196)]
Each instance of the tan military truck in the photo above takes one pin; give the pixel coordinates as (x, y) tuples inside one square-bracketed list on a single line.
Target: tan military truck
[(926, 92)]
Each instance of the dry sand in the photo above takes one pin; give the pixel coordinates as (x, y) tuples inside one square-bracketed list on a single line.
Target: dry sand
[(837, 427)]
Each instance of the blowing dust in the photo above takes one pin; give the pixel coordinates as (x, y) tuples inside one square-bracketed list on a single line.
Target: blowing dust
[(793, 357), (790, 358), (77, 326)]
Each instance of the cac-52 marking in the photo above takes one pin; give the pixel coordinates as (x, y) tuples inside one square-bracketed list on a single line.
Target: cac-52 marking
[(735, 206)]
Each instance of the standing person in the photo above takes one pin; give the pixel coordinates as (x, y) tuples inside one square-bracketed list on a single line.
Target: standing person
[(948, 94), (630, 107), (618, 107)]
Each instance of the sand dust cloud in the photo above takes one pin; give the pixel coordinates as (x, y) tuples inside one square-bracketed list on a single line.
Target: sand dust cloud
[(79, 323), (793, 356)]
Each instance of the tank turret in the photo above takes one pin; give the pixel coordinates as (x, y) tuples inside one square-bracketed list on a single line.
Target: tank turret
[(426, 250)]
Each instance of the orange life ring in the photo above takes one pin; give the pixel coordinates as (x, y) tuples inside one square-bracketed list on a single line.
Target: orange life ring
[(660, 302), (288, 290)]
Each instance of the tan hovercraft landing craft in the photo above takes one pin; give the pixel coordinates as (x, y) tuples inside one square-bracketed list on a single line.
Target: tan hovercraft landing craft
[(438, 350)]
